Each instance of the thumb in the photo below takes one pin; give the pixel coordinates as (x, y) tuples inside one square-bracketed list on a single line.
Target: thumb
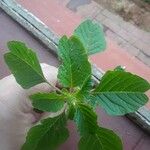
[(50, 73), (16, 112)]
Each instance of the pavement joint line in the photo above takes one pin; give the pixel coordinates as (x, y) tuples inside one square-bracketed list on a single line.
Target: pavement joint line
[(129, 37)]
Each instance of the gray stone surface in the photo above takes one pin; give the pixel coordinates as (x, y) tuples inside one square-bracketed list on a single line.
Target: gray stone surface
[(10, 30), (30, 22), (73, 4)]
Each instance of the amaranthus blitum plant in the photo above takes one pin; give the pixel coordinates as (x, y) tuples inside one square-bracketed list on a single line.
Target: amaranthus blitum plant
[(119, 92)]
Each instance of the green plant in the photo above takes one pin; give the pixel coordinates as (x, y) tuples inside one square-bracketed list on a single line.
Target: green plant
[(147, 1), (119, 92)]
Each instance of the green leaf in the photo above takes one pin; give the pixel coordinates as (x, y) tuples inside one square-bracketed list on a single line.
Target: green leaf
[(92, 36), (75, 67), (122, 81), (24, 65), (49, 102), (86, 119), (121, 92), (104, 139), (120, 103), (48, 135)]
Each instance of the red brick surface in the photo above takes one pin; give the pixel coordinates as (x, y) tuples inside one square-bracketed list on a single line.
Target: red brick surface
[(114, 56), (63, 21), (55, 16)]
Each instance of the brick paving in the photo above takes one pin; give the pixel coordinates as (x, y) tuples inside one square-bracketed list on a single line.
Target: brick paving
[(133, 40), (133, 137), (64, 21)]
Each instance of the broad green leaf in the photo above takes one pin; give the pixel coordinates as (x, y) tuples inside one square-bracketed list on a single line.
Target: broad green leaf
[(75, 67), (50, 102), (86, 119), (121, 92), (24, 65), (48, 135), (122, 81), (120, 103), (92, 36), (104, 139)]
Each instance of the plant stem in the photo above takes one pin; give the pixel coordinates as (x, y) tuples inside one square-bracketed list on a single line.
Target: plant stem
[(57, 89), (72, 89)]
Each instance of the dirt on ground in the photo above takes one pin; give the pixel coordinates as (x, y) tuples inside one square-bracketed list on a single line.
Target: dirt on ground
[(134, 11)]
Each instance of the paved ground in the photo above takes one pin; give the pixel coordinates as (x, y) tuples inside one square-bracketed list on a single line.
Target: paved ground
[(133, 137), (64, 21), (132, 39)]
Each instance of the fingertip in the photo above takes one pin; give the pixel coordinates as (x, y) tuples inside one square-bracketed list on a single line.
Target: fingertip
[(50, 73)]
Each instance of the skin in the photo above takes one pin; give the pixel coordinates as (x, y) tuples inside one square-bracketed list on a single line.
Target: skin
[(16, 111)]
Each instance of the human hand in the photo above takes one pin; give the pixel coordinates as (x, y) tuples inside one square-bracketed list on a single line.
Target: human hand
[(16, 111)]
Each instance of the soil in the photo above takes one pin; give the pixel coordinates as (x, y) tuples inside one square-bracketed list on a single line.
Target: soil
[(134, 11)]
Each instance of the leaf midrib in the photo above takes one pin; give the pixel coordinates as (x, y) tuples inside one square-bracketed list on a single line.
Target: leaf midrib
[(123, 92), (99, 141), (47, 131), (29, 66), (119, 97)]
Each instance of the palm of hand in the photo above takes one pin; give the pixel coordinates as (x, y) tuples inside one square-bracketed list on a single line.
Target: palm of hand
[(16, 112)]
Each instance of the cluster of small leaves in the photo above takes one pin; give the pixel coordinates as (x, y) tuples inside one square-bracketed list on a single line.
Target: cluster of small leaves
[(119, 92)]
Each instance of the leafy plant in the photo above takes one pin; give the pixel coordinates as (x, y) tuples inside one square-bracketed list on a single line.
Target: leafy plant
[(119, 92), (147, 1)]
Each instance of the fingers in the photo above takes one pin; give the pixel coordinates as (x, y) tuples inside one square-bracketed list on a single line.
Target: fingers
[(50, 73), (16, 111), (16, 99)]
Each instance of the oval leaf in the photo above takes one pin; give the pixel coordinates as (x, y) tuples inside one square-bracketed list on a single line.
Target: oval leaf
[(92, 36), (104, 139), (49, 102), (122, 81), (24, 65), (48, 135), (86, 119), (121, 92), (120, 103), (75, 67)]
